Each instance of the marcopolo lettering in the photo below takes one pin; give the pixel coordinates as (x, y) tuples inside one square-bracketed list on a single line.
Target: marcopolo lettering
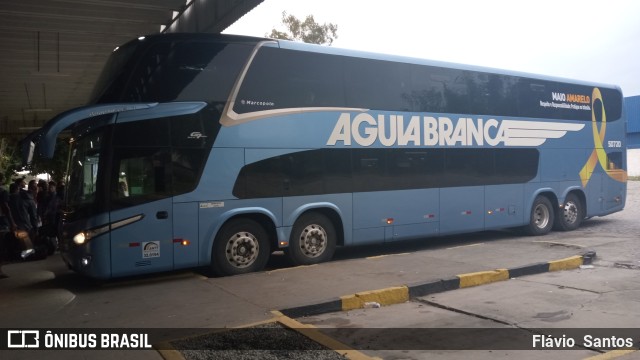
[(397, 130)]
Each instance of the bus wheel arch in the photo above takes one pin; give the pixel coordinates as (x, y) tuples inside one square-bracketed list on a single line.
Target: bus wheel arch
[(542, 216), (570, 215), (314, 237), (242, 245)]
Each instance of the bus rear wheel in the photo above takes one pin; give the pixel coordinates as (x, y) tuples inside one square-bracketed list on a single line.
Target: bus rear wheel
[(570, 216), (542, 217), (242, 246), (312, 241)]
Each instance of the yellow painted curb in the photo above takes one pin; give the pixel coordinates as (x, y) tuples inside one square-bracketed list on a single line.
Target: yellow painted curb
[(290, 268), (168, 352), (611, 355), (483, 277), (316, 335), (388, 296), (572, 262)]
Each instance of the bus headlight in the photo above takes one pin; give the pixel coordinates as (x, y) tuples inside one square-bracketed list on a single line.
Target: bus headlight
[(80, 238), (83, 236)]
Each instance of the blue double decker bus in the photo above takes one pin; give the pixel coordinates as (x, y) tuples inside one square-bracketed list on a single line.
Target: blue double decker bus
[(216, 150)]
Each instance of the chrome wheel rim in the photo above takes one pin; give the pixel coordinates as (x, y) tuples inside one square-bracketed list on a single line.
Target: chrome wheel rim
[(242, 249), (313, 241), (570, 212), (541, 216)]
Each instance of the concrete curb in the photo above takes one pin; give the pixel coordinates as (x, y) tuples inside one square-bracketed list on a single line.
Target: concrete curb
[(400, 294), (388, 296)]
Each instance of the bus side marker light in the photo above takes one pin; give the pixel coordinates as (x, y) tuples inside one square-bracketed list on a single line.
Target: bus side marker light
[(284, 243), (183, 242), (389, 221), (134, 244)]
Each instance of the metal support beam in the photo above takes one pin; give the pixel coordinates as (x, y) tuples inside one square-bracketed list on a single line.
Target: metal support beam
[(211, 16)]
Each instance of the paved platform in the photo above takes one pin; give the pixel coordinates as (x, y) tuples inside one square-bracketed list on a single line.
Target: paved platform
[(44, 294)]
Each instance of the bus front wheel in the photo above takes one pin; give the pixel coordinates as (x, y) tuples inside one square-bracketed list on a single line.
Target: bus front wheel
[(570, 216), (312, 241), (542, 217), (242, 246)]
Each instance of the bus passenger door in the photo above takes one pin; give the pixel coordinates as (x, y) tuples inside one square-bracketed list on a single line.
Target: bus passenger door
[(141, 239), (141, 205)]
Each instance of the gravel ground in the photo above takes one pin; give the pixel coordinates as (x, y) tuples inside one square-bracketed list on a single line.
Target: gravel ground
[(269, 341)]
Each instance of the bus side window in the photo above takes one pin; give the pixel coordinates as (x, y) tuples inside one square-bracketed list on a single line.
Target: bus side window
[(260, 179), (295, 79), (468, 168), (377, 84), (142, 161), (304, 173), (427, 89), (369, 170), (615, 160), (145, 172), (337, 176)]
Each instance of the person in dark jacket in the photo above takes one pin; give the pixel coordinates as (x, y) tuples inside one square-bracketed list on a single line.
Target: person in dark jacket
[(25, 215), (7, 225), (50, 216)]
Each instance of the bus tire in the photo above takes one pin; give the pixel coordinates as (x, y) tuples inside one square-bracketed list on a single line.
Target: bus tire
[(541, 218), (242, 246), (571, 215), (312, 240)]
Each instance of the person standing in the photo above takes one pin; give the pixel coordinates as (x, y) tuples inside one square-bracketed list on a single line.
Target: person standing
[(6, 223), (25, 215), (41, 197), (50, 215)]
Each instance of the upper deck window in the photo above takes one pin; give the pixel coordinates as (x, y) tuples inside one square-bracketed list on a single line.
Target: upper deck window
[(289, 79), (172, 71)]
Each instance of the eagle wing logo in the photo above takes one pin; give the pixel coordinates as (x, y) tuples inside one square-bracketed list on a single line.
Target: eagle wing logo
[(534, 133)]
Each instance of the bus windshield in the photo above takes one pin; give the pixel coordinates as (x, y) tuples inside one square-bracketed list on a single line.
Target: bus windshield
[(83, 170), (165, 71)]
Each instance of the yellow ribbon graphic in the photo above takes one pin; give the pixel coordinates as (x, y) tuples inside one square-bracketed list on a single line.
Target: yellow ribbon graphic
[(599, 155)]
